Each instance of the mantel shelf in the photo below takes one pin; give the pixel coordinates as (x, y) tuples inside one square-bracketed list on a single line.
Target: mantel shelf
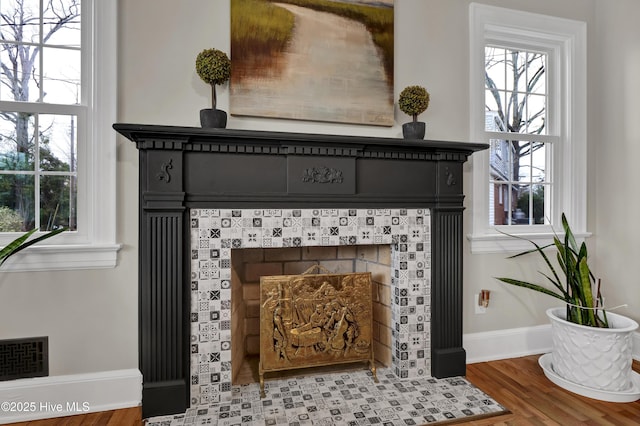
[(195, 135)]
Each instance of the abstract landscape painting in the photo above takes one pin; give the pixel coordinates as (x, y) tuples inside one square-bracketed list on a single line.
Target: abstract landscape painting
[(316, 60)]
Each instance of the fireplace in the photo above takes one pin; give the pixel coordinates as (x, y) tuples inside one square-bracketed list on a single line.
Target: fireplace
[(250, 265), (402, 193), (216, 233)]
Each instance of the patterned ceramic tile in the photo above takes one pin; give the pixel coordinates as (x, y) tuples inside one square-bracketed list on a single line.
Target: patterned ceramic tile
[(343, 399), (214, 233)]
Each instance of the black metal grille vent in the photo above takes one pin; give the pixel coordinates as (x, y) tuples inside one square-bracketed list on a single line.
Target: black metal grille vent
[(22, 358)]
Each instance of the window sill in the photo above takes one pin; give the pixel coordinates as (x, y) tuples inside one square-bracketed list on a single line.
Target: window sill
[(500, 243), (64, 257)]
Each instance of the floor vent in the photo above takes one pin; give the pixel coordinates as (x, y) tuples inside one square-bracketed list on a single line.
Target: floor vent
[(23, 358)]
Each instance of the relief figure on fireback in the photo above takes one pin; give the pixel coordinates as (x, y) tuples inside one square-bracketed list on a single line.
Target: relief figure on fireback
[(313, 320)]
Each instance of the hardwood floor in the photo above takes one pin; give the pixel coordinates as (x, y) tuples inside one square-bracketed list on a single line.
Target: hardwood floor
[(124, 417), (519, 384)]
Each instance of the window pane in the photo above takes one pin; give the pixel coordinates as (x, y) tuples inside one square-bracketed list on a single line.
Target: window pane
[(58, 196), (495, 68), (538, 162), (500, 205), (17, 202), (494, 111), (530, 207), (499, 157), (62, 23), (536, 115), (18, 63), (16, 141), (493, 104), (62, 76), (10, 220), (521, 212), (58, 144), (537, 78), (516, 71), (21, 20), (522, 162)]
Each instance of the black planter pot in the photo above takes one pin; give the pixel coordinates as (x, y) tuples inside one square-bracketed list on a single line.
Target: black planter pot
[(413, 130), (213, 118)]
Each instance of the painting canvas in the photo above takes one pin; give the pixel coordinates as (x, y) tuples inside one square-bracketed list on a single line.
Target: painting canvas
[(317, 60)]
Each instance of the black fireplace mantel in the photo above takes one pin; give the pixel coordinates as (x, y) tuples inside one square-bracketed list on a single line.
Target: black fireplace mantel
[(185, 167)]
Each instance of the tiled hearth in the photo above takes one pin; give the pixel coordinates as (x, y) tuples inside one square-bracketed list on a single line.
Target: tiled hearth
[(345, 399), (215, 233)]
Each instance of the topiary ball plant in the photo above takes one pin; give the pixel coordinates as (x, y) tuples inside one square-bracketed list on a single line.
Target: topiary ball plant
[(214, 67), (413, 100)]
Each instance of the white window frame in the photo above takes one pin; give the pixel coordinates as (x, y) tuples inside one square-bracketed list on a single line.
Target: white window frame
[(94, 244), (565, 41)]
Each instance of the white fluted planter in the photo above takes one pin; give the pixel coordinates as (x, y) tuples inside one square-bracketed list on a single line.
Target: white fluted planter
[(596, 359)]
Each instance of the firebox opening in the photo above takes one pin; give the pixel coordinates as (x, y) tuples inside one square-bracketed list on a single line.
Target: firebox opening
[(249, 264)]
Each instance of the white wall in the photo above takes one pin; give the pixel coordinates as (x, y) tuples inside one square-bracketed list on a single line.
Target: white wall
[(614, 150), (91, 316)]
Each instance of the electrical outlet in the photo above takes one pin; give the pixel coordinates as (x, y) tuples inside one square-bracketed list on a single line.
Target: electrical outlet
[(479, 308)]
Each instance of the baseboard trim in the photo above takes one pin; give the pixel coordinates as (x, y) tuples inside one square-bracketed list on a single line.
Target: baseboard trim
[(59, 396), (510, 343), (516, 342)]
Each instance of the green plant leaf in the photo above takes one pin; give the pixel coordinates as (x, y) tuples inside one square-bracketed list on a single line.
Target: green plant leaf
[(531, 286), (570, 240), (21, 243), (556, 284), (587, 296), (538, 249), (14, 246)]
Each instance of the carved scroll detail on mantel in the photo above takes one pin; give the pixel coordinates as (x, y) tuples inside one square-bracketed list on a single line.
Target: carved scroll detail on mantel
[(322, 174), (451, 179), (163, 174)]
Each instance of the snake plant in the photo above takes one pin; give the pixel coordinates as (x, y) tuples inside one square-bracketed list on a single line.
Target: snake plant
[(578, 288), (23, 242)]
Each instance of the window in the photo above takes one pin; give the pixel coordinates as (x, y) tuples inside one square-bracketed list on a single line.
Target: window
[(57, 154), (528, 102), (515, 107)]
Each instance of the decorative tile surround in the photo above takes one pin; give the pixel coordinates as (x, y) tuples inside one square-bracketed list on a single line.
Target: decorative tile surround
[(216, 232)]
